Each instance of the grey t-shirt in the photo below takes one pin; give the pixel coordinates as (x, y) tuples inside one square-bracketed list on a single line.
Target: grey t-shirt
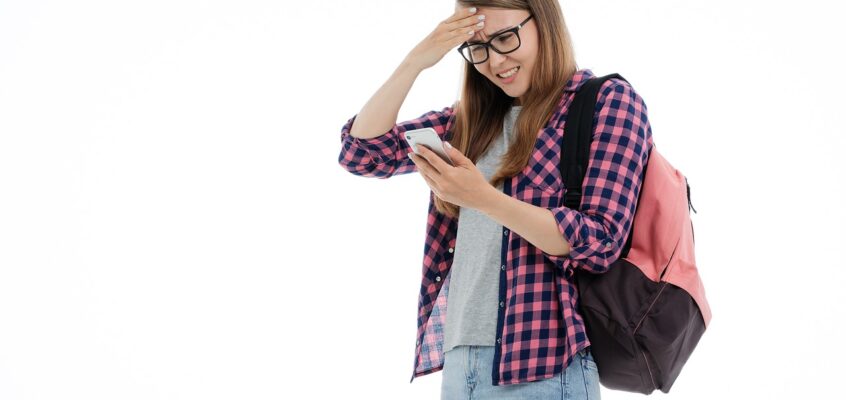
[(472, 301)]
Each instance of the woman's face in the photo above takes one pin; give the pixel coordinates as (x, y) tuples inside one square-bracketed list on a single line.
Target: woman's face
[(496, 20)]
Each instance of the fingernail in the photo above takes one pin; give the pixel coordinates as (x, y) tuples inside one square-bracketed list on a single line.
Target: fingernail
[(472, 9), (448, 145)]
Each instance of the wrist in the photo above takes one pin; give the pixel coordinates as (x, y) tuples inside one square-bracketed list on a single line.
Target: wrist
[(491, 200), (410, 66)]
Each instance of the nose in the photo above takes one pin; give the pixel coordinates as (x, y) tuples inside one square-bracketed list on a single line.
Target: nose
[(495, 60)]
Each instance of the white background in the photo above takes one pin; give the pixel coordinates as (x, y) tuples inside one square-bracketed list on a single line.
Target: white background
[(174, 223)]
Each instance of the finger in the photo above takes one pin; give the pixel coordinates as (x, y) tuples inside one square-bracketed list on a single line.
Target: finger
[(434, 159), (466, 27), (423, 154), (469, 21), (467, 30), (456, 159), (431, 182), (420, 161), (460, 12)]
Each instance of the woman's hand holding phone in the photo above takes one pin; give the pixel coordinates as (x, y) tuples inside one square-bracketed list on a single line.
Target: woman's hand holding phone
[(460, 183), (429, 138), (449, 33)]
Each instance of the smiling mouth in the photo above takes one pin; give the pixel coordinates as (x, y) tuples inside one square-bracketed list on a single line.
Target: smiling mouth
[(509, 73)]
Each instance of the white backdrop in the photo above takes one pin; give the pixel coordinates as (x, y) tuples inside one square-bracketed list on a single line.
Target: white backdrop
[(174, 223)]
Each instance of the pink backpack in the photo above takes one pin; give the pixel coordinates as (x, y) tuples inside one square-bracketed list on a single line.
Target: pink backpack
[(646, 314)]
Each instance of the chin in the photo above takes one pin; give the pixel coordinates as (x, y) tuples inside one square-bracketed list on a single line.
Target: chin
[(514, 93)]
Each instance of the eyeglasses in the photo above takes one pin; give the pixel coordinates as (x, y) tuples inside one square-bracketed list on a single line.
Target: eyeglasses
[(506, 42)]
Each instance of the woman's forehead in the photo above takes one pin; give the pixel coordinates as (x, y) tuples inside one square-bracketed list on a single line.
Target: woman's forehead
[(497, 20)]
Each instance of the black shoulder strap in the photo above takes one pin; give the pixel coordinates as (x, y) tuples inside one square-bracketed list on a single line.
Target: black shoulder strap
[(578, 132)]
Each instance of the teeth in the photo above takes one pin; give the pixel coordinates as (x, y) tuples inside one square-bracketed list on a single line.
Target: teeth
[(509, 73)]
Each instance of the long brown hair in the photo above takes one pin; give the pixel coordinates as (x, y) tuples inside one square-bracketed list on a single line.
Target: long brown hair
[(480, 112)]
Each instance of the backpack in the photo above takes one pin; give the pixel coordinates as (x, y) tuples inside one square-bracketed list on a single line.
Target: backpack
[(645, 315)]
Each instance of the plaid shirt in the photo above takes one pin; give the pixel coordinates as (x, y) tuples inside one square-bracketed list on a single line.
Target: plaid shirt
[(539, 329)]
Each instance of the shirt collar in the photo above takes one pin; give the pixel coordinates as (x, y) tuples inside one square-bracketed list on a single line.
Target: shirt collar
[(579, 78)]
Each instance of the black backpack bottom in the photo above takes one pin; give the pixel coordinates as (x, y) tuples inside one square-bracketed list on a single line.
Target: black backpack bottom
[(621, 309)]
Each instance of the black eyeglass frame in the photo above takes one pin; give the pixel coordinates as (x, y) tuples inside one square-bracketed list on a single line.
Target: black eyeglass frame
[(489, 46)]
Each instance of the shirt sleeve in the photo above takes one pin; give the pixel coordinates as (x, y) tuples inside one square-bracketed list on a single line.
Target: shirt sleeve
[(597, 232), (386, 155)]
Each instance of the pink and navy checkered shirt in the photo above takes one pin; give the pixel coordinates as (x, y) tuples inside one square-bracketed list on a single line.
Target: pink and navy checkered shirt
[(539, 329)]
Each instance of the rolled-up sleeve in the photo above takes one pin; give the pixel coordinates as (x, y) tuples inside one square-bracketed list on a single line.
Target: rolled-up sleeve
[(619, 150), (386, 155)]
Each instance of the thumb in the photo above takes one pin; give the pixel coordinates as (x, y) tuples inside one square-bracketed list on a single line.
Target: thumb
[(454, 154)]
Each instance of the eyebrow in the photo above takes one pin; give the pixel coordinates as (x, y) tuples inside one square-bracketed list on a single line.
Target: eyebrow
[(492, 34)]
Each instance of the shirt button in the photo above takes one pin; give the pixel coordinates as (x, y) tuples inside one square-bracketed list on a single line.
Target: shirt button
[(502, 304), (498, 340), (417, 343), (608, 245), (505, 232), (503, 267), (451, 249), (438, 278)]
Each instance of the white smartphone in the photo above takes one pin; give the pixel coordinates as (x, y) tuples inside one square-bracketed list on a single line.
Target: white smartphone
[(429, 138)]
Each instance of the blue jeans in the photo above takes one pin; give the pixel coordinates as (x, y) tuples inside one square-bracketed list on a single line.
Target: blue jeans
[(467, 375)]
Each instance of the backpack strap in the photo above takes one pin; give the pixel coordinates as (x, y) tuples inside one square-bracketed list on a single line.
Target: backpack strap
[(578, 133)]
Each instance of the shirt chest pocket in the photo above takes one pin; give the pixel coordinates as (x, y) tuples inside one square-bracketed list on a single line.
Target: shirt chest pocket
[(542, 171)]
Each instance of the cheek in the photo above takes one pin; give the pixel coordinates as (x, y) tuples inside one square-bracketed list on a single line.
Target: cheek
[(532, 51), (483, 70), (526, 55)]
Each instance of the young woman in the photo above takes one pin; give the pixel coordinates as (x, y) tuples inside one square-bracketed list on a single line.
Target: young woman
[(501, 248)]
